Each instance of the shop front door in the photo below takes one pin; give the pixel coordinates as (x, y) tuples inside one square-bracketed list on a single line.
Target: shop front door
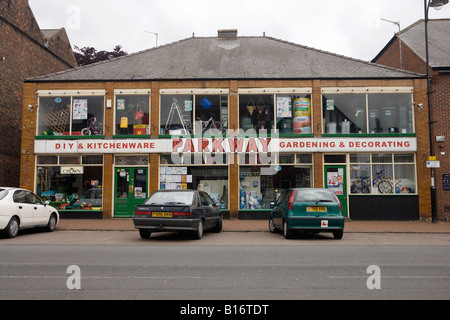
[(131, 185), (336, 180)]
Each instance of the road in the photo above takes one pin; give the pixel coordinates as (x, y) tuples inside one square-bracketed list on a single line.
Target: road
[(231, 265)]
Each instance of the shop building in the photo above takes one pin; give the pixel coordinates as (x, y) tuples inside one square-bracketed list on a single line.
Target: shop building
[(240, 117), (406, 51)]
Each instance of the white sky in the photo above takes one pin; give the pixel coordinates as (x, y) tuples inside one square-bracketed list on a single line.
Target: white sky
[(349, 27)]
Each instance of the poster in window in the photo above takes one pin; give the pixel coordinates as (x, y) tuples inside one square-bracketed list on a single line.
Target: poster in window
[(80, 109), (121, 104), (188, 105), (284, 107)]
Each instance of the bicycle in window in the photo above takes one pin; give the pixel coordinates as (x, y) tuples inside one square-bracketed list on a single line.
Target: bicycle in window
[(362, 186)]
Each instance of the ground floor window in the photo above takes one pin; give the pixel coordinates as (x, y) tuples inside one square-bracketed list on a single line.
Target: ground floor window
[(71, 182), (178, 174), (382, 174), (260, 185)]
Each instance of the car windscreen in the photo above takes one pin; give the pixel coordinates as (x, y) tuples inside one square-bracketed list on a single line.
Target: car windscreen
[(171, 198), (314, 196), (3, 193)]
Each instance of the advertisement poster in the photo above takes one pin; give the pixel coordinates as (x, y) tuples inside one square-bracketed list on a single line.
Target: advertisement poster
[(284, 107), (335, 181), (80, 109)]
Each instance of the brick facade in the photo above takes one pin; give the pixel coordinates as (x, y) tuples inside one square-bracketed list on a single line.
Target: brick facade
[(23, 54), (440, 100), (30, 120)]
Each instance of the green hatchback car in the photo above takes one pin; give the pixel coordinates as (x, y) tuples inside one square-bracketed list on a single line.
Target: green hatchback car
[(307, 209)]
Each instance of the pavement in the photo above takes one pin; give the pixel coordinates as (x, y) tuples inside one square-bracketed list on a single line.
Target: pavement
[(116, 224)]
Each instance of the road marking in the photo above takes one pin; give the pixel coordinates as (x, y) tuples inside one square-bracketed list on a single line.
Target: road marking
[(391, 277), (95, 277)]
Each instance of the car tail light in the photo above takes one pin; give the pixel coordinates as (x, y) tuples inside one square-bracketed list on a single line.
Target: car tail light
[(335, 196), (291, 200), (182, 214), (142, 213)]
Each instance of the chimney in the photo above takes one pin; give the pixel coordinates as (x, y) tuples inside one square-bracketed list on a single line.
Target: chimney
[(227, 33)]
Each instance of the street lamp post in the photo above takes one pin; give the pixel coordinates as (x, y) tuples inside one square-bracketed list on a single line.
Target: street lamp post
[(437, 5)]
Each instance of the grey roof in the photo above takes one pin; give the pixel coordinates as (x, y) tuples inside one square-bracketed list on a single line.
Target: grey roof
[(238, 58), (438, 41)]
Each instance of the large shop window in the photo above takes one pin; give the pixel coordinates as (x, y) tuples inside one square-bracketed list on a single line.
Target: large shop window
[(382, 174), (287, 113), (71, 182), (178, 173), (71, 116), (194, 114), (261, 185), (132, 115), (368, 113)]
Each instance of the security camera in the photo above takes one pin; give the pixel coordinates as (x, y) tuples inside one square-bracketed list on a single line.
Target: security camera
[(420, 106), (30, 107)]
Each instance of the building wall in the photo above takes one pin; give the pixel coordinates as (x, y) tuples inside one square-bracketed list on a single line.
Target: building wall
[(440, 100), (29, 125), (22, 55), (441, 114)]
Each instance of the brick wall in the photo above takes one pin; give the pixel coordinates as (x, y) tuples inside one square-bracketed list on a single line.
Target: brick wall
[(22, 55), (441, 114), (440, 101)]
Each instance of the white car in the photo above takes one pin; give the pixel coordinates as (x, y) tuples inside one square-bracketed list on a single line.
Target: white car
[(21, 209)]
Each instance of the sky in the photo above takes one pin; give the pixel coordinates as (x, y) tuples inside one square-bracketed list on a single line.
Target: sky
[(351, 28)]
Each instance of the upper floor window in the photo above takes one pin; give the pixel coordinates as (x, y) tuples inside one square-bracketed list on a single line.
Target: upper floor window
[(71, 115), (285, 113), (132, 114), (367, 113), (194, 112)]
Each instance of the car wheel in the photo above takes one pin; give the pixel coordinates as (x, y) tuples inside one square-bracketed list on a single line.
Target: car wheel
[(198, 234), (12, 229), (338, 234), (272, 226), (145, 234), (288, 234), (218, 227), (51, 225)]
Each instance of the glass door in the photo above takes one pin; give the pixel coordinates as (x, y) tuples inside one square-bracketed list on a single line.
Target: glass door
[(336, 180), (131, 185)]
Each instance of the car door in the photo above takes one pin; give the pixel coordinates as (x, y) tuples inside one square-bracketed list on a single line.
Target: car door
[(40, 211), (23, 207), (207, 206), (278, 210)]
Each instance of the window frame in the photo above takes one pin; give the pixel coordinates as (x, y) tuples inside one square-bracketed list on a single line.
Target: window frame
[(275, 92), (130, 93), (72, 94), (367, 91)]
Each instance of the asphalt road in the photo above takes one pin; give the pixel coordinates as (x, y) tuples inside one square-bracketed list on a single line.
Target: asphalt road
[(234, 266)]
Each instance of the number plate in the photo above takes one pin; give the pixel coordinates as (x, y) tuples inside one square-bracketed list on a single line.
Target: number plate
[(316, 209), (162, 214)]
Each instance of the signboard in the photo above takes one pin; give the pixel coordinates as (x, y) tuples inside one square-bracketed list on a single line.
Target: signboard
[(446, 179), (226, 145), (433, 164), (72, 170)]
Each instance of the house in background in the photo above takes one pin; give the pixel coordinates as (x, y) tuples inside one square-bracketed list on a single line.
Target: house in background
[(407, 51), (25, 51)]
